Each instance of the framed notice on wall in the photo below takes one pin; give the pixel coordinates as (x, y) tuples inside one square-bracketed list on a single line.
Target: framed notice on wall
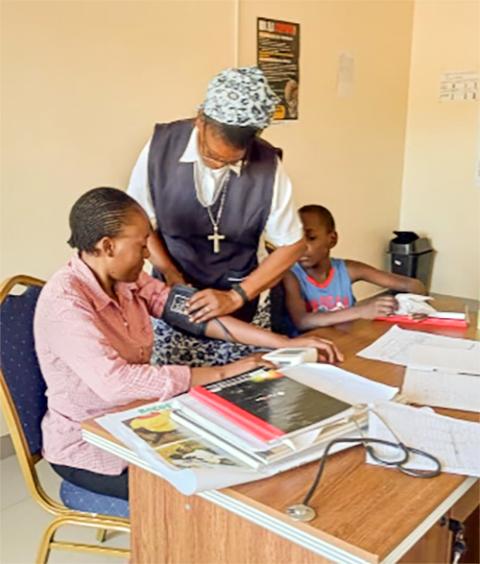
[(278, 50)]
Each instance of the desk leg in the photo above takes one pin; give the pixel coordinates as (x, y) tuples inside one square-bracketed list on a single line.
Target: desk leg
[(169, 527)]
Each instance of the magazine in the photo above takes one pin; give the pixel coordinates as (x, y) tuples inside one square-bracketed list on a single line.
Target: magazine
[(151, 439), (154, 425)]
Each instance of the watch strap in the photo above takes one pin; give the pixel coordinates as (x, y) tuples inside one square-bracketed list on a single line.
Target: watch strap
[(241, 292)]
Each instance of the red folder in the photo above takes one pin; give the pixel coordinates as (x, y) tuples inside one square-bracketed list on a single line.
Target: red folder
[(247, 421), (427, 322)]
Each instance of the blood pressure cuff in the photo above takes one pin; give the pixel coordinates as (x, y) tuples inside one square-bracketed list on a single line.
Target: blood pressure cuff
[(176, 314)]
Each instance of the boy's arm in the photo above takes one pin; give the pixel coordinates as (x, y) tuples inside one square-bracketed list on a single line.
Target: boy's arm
[(361, 271), (305, 320)]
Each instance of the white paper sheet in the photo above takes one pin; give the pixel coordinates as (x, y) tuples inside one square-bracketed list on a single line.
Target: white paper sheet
[(396, 346), (444, 358), (455, 443), (345, 75), (341, 384), (442, 389)]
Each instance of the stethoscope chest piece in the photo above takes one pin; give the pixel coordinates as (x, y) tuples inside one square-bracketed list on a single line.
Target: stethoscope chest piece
[(301, 512)]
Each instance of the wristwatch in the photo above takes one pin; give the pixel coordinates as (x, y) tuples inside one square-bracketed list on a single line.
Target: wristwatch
[(241, 292)]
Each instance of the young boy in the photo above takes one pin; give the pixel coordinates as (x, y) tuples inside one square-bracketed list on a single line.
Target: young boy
[(319, 288)]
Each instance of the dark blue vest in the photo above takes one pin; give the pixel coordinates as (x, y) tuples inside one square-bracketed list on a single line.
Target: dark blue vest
[(183, 223)]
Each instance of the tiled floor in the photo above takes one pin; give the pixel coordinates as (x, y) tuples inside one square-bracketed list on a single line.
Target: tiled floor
[(22, 522)]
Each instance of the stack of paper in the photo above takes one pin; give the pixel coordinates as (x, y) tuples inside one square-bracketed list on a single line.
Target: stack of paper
[(439, 388), (195, 448), (346, 387), (441, 371), (455, 443)]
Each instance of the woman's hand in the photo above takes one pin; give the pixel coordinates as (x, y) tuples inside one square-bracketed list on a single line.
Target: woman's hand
[(246, 364), (327, 350), (207, 374), (208, 304)]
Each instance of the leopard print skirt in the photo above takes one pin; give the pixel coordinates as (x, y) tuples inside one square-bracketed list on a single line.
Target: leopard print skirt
[(175, 347)]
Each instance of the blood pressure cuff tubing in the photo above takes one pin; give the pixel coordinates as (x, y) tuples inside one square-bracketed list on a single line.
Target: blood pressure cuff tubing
[(175, 312)]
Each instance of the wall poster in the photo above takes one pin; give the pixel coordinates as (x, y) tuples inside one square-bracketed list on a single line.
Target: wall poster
[(278, 50)]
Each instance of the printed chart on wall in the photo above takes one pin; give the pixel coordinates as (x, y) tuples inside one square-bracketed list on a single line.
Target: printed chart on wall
[(278, 50)]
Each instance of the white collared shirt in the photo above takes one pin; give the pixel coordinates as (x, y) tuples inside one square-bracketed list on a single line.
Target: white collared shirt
[(283, 225)]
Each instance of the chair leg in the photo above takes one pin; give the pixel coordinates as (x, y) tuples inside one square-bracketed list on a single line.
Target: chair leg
[(44, 550), (101, 535)]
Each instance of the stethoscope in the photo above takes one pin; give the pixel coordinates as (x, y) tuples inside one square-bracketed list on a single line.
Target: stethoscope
[(304, 512)]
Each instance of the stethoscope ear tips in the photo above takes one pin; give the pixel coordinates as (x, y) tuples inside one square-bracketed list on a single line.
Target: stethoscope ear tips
[(301, 512)]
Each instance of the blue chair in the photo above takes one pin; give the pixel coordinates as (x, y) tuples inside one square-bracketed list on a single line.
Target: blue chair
[(23, 401)]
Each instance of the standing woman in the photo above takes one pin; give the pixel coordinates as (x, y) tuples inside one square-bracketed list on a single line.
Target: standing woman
[(212, 187), (93, 337)]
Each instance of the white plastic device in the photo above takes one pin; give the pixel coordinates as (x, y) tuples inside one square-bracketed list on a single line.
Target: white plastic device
[(291, 356)]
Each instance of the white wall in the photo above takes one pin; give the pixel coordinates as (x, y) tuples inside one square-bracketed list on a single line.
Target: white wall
[(442, 145), (346, 152), (84, 82)]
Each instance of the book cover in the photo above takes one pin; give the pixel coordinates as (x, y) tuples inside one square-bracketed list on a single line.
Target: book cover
[(179, 449), (269, 404)]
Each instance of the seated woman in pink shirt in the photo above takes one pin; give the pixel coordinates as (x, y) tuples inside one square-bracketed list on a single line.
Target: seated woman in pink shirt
[(94, 338)]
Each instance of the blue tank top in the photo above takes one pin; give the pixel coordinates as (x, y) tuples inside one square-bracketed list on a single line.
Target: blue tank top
[(333, 294)]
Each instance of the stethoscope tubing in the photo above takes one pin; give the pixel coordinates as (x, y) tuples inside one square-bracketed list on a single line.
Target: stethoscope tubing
[(400, 464)]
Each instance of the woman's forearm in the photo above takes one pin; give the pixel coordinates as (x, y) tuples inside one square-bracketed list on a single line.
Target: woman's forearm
[(245, 333), (272, 268)]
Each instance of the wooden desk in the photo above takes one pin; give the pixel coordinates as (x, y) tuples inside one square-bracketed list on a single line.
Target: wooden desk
[(364, 513)]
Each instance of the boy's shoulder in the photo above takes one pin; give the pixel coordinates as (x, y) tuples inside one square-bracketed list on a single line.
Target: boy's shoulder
[(297, 269)]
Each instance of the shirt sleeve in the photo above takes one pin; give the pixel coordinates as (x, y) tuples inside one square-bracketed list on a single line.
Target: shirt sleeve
[(283, 225), (74, 338), (138, 186)]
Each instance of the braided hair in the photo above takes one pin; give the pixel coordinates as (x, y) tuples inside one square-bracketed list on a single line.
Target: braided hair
[(100, 212)]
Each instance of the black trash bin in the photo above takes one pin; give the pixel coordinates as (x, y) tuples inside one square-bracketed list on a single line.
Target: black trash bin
[(411, 255)]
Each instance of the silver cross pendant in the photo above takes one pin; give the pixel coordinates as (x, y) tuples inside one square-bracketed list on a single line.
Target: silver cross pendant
[(216, 237)]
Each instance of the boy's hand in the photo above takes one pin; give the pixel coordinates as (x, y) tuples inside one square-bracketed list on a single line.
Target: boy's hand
[(417, 287), (380, 307)]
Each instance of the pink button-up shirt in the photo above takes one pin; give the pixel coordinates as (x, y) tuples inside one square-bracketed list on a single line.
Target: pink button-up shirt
[(94, 354)]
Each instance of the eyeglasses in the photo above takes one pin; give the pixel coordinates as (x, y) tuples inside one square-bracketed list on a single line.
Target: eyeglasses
[(209, 156)]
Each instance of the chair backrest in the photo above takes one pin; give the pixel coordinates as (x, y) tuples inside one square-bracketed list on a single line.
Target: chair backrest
[(23, 400), (23, 387)]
